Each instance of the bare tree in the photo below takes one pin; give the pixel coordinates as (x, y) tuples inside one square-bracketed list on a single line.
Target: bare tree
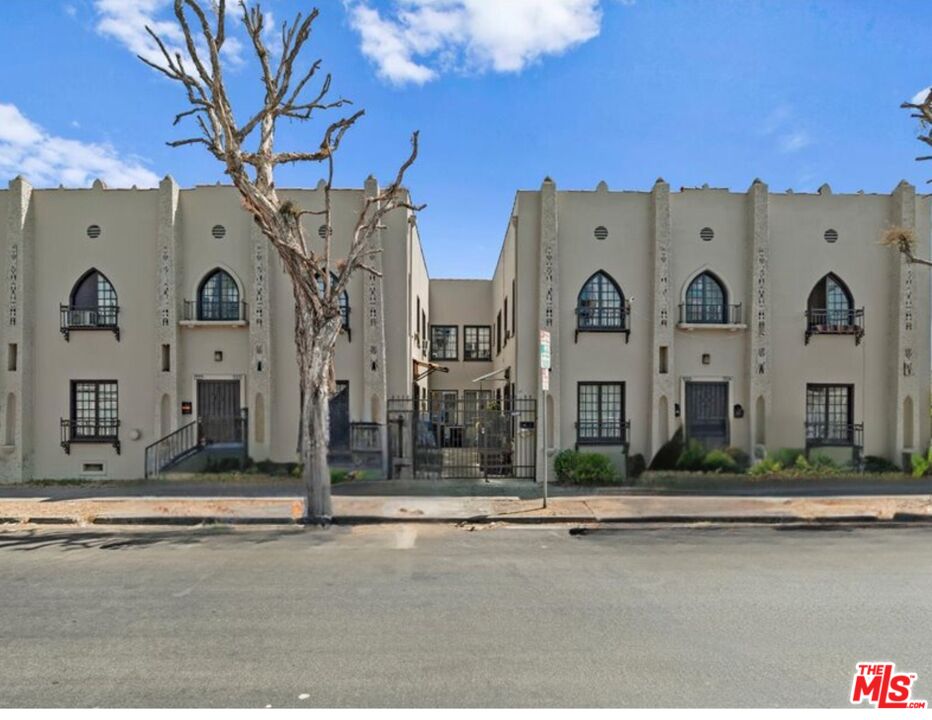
[(249, 156), (904, 239)]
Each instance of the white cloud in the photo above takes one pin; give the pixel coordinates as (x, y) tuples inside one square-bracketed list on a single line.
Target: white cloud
[(783, 126), (27, 149), (417, 40), (920, 97), (794, 141), (126, 21)]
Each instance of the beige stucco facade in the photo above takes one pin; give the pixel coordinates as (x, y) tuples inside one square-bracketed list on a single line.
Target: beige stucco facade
[(766, 252)]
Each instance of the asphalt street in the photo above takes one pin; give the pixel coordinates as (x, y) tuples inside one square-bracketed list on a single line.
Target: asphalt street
[(405, 615)]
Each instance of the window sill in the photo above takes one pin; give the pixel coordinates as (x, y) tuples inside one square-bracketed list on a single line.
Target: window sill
[(213, 323), (602, 331), (731, 327)]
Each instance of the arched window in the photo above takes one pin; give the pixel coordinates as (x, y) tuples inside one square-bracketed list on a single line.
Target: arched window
[(600, 305), (830, 302), (344, 301), (218, 297), (92, 305), (706, 300)]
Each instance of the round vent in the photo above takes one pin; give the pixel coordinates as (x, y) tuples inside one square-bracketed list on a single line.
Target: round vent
[(600, 232), (93, 231), (706, 234), (831, 235), (322, 231), (218, 231)]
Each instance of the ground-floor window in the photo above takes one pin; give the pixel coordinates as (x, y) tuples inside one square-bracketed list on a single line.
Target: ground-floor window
[(600, 413), (830, 414), (94, 409)]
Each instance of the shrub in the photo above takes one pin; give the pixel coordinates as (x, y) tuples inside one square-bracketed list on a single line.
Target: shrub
[(820, 461), (921, 464), (635, 465), (876, 464), (692, 457), (787, 456), (584, 468), (564, 465), (767, 466), (667, 456), (719, 461), (741, 458)]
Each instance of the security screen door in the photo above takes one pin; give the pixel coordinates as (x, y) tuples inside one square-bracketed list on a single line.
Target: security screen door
[(218, 409), (707, 413)]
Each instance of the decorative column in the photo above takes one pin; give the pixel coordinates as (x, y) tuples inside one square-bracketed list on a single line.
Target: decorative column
[(549, 319), (759, 319), (167, 397), (663, 378), (17, 321), (906, 369), (373, 337), (259, 376)]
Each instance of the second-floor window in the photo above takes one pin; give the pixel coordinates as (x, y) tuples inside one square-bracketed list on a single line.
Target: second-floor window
[(477, 342), (706, 301), (218, 297), (93, 302), (600, 305), (443, 342)]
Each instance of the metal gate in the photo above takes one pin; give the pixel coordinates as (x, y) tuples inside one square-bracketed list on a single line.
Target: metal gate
[(451, 436), (707, 413)]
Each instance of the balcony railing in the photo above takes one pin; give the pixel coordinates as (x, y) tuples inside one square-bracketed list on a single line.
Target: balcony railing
[(611, 432), (220, 311), (365, 437), (834, 434), (821, 321), (710, 314), (103, 317), (603, 319), (90, 432)]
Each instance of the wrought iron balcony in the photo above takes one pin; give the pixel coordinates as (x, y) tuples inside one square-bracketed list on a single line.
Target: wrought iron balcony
[(611, 432), (821, 321), (103, 317), (834, 434), (90, 432), (219, 312), (710, 314), (599, 319)]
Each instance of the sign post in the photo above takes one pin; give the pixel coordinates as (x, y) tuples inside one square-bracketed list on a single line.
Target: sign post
[(544, 389)]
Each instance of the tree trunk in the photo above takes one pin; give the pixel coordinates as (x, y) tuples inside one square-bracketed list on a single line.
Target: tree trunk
[(315, 362)]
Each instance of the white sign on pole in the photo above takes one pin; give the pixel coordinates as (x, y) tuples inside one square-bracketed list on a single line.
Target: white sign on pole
[(545, 379), (545, 349)]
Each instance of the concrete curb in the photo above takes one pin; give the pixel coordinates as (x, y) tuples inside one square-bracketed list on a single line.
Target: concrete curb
[(897, 519)]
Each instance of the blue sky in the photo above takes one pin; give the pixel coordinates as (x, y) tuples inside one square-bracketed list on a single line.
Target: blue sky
[(504, 93)]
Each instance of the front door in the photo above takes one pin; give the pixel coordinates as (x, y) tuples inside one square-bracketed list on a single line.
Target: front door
[(707, 413), (218, 409), (340, 418)]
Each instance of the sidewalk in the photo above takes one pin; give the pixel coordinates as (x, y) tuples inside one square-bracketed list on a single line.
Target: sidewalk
[(381, 509)]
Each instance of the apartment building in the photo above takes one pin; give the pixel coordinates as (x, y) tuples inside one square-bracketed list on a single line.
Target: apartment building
[(142, 327)]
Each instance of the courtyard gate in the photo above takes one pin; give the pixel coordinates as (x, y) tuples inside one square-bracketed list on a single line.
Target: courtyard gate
[(447, 436)]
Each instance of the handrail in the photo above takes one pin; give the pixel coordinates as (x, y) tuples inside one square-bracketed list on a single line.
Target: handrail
[(164, 451)]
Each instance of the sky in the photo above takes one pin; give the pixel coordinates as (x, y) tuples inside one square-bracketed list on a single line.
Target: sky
[(504, 93)]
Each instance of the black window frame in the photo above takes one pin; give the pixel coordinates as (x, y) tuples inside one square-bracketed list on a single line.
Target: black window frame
[(479, 357), (79, 428), (227, 310), (615, 437), (433, 344), (100, 314), (699, 308), (591, 312), (498, 334), (826, 428)]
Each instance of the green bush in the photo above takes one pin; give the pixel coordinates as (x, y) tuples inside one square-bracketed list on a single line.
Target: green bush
[(667, 456), (635, 465), (692, 457), (741, 458), (584, 468), (921, 464), (767, 466), (719, 461), (787, 456), (876, 464)]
